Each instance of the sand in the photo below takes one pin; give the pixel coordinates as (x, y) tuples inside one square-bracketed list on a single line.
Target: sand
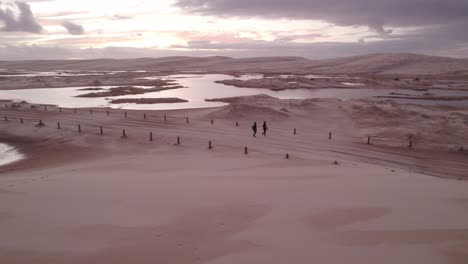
[(91, 198), (124, 90), (148, 101), (83, 197), (399, 64)]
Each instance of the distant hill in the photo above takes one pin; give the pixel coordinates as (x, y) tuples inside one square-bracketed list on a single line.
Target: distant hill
[(394, 63)]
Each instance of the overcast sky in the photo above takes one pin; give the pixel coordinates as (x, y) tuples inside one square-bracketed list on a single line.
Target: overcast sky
[(65, 29)]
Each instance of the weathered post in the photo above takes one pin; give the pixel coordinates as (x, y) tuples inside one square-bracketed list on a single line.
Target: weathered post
[(90, 111), (178, 140), (330, 135), (60, 109), (246, 151), (295, 131), (287, 156), (151, 136), (107, 112), (187, 120), (212, 121), (124, 134), (210, 146), (144, 116), (165, 118), (79, 128), (75, 110), (410, 144), (45, 107), (368, 140), (58, 125), (237, 124), (21, 121), (125, 114), (101, 130)]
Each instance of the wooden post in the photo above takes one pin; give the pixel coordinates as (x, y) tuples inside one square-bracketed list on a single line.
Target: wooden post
[(210, 146), (124, 134), (178, 140), (368, 140), (101, 130), (107, 112), (125, 114), (330, 135), (79, 128), (237, 124), (287, 156), (75, 110), (90, 111), (144, 116), (58, 125), (45, 107), (212, 121), (151, 136), (21, 121), (410, 144), (60, 109), (246, 151), (295, 131), (165, 118), (187, 120)]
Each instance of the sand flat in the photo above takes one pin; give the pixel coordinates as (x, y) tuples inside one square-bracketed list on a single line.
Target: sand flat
[(132, 200)]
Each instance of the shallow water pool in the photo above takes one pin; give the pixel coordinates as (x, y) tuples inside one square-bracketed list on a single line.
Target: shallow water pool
[(9, 154), (198, 88)]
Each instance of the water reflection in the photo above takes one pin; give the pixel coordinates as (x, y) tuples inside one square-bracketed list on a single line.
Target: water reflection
[(200, 87), (9, 154)]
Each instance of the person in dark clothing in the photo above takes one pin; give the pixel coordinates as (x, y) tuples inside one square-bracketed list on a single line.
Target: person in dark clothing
[(265, 128), (254, 128)]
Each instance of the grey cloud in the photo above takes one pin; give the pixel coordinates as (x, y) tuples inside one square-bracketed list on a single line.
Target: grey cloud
[(429, 42), (378, 27), (413, 44), (73, 28), (374, 14), (17, 16), (446, 40)]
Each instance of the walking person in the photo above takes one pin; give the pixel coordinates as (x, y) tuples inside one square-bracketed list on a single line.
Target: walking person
[(265, 128), (254, 128)]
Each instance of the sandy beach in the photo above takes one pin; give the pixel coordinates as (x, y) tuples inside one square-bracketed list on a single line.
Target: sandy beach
[(103, 185)]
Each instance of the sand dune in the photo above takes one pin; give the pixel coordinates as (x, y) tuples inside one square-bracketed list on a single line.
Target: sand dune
[(368, 64), (104, 199), (131, 186)]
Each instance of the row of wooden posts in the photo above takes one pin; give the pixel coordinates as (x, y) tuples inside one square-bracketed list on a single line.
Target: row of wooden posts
[(124, 134), (125, 114), (369, 139), (210, 145)]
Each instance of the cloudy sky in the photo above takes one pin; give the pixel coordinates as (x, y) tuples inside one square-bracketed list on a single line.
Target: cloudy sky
[(64, 29)]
